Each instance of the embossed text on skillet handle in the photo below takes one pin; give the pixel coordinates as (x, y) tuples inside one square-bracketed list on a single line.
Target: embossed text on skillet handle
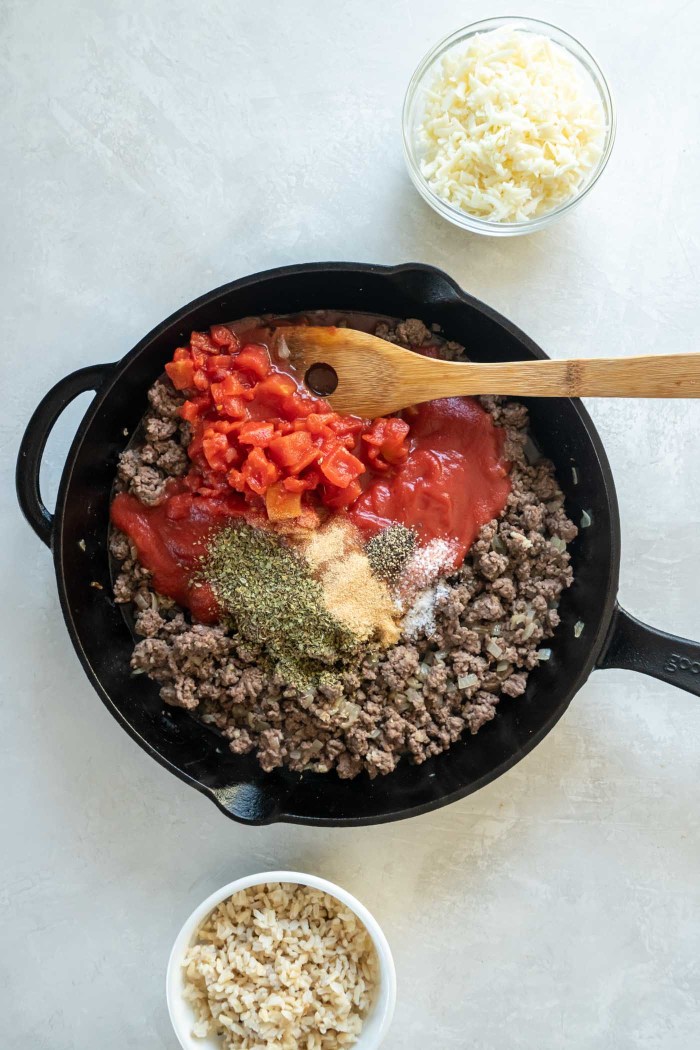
[(635, 646)]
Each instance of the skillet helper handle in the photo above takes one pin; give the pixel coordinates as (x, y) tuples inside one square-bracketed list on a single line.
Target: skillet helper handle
[(635, 646), (31, 450)]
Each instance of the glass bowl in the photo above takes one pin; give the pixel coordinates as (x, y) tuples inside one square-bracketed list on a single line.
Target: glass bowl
[(413, 112)]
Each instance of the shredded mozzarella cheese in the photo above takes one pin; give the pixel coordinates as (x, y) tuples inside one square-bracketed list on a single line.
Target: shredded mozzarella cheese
[(512, 127)]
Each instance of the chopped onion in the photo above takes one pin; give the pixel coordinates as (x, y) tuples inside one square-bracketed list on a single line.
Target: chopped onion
[(350, 711), (578, 628), (529, 631), (496, 630), (574, 475), (498, 545), (586, 519), (466, 681), (558, 544), (283, 350), (532, 453), (494, 649), (544, 654), (502, 666), (517, 619)]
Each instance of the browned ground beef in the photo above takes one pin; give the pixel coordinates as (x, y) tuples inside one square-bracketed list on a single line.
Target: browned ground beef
[(403, 701)]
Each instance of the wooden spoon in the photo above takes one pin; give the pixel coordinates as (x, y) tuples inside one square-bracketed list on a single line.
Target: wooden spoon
[(361, 374)]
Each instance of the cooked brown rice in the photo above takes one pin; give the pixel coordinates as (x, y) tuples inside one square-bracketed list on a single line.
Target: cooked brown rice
[(281, 966)]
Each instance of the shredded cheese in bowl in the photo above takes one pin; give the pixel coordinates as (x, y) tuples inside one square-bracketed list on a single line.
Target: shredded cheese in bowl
[(510, 126)]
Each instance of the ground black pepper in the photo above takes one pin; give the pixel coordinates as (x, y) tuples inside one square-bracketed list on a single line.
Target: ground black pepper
[(389, 551)]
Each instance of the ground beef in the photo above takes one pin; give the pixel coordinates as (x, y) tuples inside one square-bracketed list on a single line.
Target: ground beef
[(144, 469), (405, 701)]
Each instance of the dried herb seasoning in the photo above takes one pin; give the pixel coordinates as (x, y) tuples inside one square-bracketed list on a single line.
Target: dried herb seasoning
[(268, 592)]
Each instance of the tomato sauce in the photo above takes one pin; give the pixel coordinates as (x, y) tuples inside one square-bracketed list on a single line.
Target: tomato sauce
[(171, 539), (454, 481)]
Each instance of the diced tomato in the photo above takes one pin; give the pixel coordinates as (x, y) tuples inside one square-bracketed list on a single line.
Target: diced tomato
[(276, 385), (281, 504), (201, 380), (255, 359), (195, 446), (220, 335), (218, 366), (216, 449), (297, 483), (295, 405), (375, 434), (394, 448), (345, 424), (376, 462), (236, 480), (338, 499), (231, 386), (387, 438), (201, 341), (194, 408), (320, 423), (340, 467), (294, 451), (254, 427), (181, 374), (225, 426), (259, 472), (257, 433)]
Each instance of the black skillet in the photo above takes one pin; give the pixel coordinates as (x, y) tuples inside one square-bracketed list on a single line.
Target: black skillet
[(563, 430)]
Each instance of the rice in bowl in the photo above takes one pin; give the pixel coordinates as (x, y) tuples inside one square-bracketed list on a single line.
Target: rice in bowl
[(281, 965)]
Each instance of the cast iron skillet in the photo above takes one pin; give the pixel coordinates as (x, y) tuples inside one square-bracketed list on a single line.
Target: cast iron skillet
[(198, 755)]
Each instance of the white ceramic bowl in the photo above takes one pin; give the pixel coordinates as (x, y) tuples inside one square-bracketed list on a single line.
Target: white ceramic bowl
[(182, 1016)]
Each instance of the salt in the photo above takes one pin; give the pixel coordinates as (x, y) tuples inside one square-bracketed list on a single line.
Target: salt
[(420, 587), (425, 565), (420, 618)]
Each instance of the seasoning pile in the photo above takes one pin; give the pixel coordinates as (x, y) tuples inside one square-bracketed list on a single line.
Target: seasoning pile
[(312, 604)]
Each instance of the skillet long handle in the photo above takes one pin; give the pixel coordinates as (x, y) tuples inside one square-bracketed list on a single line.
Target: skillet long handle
[(667, 375), (637, 647)]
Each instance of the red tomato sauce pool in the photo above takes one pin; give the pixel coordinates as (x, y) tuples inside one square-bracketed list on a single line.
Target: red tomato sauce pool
[(171, 539), (454, 481)]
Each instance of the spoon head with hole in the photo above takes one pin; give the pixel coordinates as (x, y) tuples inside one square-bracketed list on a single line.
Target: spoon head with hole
[(357, 373)]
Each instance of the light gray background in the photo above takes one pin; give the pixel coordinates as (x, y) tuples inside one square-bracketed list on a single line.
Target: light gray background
[(152, 151)]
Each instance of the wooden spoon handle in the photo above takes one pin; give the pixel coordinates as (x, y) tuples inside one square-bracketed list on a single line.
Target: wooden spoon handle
[(668, 375)]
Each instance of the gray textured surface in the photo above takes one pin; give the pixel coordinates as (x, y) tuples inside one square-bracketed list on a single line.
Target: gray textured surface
[(154, 150)]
